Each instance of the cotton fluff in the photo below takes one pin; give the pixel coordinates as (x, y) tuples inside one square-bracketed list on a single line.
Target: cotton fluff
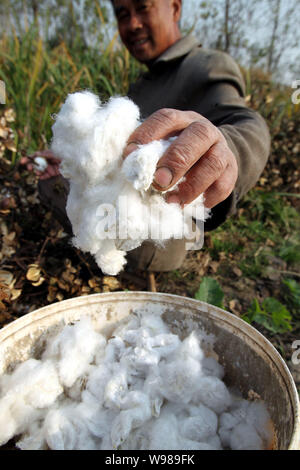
[(140, 388), (111, 204)]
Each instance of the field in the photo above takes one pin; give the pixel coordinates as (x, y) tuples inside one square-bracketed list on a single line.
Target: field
[(249, 266)]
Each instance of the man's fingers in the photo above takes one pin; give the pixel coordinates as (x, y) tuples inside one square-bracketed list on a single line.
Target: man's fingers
[(194, 142), (220, 189), (214, 170), (199, 154), (160, 125)]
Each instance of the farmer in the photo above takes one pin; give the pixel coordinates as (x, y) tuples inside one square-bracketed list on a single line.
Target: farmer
[(197, 94)]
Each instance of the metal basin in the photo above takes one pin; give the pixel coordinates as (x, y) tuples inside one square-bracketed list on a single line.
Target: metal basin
[(250, 360)]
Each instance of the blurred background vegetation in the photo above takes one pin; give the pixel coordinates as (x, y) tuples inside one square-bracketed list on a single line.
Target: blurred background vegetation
[(51, 48)]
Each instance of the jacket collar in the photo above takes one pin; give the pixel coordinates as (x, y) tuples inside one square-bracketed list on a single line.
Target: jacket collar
[(180, 48)]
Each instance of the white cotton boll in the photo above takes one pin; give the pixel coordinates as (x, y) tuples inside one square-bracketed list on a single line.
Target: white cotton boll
[(164, 344), (213, 393), (10, 421), (137, 439), (75, 117), (100, 352), (156, 405), (153, 323), (227, 422), (152, 387), (96, 420), (139, 167), (200, 426), (142, 359), (190, 347), (33, 439), (197, 210), (35, 382), (40, 164), (44, 387), (99, 424), (187, 444), (236, 414), (118, 344), (179, 379), (110, 260), (65, 429), (73, 349), (214, 442), (136, 410), (166, 220), (259, 418), (97, 382), (211, 367), (132, 337), (116, 388), (75, 391), (245, 437), (32, 386), (59, 433), (110, 353), (89, 139), (163, 433), (121, 121)]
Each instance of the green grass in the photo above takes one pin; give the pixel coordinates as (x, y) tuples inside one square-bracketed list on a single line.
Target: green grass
[(267, 225), (38, 79)]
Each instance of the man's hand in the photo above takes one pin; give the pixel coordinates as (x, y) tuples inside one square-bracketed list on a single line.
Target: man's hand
[(200, 154), (52, 168)]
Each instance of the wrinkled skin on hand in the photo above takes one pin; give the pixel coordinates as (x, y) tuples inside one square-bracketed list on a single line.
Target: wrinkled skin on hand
[(200, 154)]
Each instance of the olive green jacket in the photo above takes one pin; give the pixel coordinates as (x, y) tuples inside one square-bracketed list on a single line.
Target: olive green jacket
[(188, 77)]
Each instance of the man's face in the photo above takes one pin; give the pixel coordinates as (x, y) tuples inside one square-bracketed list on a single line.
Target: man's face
[(148, 27)]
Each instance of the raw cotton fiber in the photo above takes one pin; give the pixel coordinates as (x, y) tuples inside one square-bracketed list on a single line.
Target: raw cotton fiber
[(112, 205), (141, 388)]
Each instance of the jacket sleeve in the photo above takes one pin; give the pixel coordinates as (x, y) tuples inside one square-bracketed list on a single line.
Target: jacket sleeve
[(222, 101)]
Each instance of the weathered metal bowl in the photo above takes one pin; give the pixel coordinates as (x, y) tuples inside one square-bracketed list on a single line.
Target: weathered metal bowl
[(250, 360)]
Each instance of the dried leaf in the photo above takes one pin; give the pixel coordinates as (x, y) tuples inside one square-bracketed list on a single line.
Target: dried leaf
[(9, 238), (10, 145), (39, 282), (34, 273), (15, 293), (94, 282), (6, 277), (4, 292), (214, 266), (67, 276), (110, 283), (85, 290), (59, 296), (51, 293), (237, 271), (10, 115), (63, 285), (3, 132)]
